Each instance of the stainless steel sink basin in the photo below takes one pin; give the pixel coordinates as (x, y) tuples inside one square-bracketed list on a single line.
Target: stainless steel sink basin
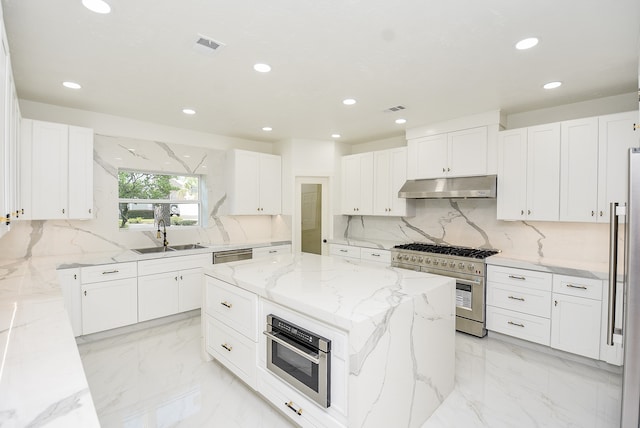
[(152, 250), (186, 247)]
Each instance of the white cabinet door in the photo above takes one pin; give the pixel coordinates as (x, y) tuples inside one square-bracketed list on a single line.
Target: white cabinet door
[(270, 182), (191, 283), (357, 184), (109, 304), (467, 152), (512, 174), (616, 136), (158, 295), (575, 325), (543, 172), (4, 121), (69, 280), (579, 169), (389, 175), (49, 166), (398, 176), (427, 157), (80, 173)]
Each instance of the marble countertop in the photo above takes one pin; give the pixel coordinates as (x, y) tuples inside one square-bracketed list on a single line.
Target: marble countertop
[(337, 291)]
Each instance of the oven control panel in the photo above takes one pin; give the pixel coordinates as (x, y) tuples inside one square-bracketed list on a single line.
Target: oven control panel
[(417, 260)]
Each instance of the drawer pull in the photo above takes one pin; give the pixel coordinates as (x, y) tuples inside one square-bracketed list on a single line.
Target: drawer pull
[(227, 347), (375, 255), (517, 298), (107, 272), (522, 278), (344, 251), (226, 304), (581, 287), (516, 324), (273, 251), (290, 405)]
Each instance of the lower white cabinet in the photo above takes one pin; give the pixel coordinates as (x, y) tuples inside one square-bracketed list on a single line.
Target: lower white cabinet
[(71, 286), (346, 251), (273, 250), (360, 253), (157, 295)]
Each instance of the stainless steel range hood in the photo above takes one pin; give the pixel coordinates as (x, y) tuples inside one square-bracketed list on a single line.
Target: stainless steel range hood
[(458, 187)]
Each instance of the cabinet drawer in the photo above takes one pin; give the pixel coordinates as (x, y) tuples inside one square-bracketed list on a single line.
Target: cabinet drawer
[(235, 307), (344, 251), (520, 299), (108, 272), (371, 255), (233, 350), (516, 324), (170, 264), (576, 286), (520, 277), (271, 251)]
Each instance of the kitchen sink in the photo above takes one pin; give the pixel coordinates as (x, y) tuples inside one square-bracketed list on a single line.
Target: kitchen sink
[(186, 247), (152, 250)]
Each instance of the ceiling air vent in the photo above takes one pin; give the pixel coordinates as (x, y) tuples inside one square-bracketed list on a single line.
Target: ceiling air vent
[(395, 108), (206, 44)]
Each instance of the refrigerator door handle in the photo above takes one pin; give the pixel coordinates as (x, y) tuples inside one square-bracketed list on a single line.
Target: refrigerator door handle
[(613, 271)]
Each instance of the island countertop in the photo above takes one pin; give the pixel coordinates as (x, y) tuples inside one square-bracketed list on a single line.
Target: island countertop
[(338, 291)]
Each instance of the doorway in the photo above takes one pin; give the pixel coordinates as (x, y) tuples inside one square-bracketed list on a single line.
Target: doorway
[(311, 223)]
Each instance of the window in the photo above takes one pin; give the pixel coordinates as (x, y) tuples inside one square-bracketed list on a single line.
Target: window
[(146, 197)]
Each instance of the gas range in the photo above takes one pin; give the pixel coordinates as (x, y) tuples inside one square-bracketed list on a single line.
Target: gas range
[(465, 265), (426, 257)]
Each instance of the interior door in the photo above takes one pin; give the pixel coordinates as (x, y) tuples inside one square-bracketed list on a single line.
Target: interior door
[(311, 219)]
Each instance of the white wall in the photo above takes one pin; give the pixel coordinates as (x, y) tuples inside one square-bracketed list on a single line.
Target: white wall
[(595, 107), (383, 144), (117, 126)]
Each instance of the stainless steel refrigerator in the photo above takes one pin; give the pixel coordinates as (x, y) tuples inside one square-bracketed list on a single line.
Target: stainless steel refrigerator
[(630, 416)]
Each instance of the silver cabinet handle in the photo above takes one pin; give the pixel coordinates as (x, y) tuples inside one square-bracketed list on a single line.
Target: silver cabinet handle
[(107, 272), (273, 251), (292, 348), (517, 298), (227, 347), (375, 255), (516, 324), (226, 304), (290, 405), (581, 287), (344, 251), (593, 213), (522, 278)]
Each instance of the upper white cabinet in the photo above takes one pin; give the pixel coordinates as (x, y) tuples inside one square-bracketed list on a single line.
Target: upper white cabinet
[(57, 173), (529, 173), (389, 174), (454, 154), (254, 183), (357, 184)]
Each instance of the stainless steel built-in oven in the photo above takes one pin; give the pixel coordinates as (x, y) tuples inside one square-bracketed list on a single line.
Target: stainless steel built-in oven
[(300, 358)]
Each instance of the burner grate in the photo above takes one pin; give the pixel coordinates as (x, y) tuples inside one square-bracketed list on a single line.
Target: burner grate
[(475, 253)]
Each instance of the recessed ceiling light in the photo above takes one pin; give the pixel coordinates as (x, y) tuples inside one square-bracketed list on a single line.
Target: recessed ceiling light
[(188, 111), (552, 85), (71, 85), (186, 156), (131, 150), (401, 121), (97, 6), (336, 135), (267, 128), (348, 101), (118, 159), (262, 68), (527, 43)]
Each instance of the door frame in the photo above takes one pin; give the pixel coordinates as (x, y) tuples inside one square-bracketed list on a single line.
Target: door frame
[(327, 220)]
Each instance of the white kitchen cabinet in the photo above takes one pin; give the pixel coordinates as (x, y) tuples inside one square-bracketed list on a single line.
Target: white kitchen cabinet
[(579, 169), (109, 296), (529, 173), (615, 137), (58, 169), (346, 251), (273, 250), (576, 315), (71, 287), (455, 154), (170, 285), (357, 184), (389, 175), (254, 183)]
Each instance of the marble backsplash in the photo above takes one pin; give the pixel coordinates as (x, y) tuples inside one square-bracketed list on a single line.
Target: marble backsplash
[(100, 234), (472, 223)]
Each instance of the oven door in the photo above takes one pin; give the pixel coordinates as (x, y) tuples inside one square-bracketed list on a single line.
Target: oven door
[(470, 299), (303, 367)]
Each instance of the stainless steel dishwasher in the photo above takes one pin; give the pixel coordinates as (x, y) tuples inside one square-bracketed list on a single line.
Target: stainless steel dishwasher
[(232, 255)]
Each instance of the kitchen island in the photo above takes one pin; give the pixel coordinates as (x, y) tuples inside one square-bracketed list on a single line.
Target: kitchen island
[(394, 334)]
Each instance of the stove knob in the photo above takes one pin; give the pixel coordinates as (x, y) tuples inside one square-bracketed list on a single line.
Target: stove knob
[(428, 261), (420, 259), (470, 266), (452, 264), (413, 258), (435, 262), (460, 265)]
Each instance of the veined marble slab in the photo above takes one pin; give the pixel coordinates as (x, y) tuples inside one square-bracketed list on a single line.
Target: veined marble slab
[(400, 325)]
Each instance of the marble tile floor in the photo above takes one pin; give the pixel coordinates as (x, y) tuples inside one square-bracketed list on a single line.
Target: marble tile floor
[(157, 378)]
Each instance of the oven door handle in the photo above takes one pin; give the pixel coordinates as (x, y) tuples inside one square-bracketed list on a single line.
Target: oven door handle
[(291, 347), (467, 281)]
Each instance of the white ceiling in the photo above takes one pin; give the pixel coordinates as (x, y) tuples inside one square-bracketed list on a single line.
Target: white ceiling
[(440, 59)]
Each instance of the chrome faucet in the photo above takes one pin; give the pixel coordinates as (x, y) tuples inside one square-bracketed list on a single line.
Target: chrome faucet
[(165, 243)]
